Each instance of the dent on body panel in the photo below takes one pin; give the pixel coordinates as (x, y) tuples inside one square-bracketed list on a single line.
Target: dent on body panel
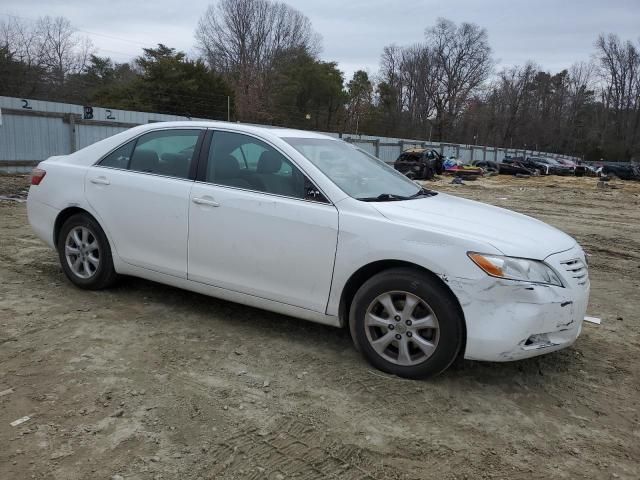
[(509, 308), (490, 289)]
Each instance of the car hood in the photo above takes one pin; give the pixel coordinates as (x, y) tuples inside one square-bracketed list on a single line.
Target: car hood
[(511, 233)]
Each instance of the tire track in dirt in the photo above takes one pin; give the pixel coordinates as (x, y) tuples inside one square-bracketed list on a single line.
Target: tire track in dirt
[(292, 448)]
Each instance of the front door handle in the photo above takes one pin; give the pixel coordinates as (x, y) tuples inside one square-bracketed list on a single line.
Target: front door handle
[(100, 181), (205, 201)]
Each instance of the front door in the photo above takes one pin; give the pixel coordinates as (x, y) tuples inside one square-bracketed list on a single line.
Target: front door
[(258, 226)]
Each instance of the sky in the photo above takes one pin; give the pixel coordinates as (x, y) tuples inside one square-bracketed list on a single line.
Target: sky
[(554, 34)]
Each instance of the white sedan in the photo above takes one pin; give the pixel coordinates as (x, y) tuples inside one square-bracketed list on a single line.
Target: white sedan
[(309, 226)]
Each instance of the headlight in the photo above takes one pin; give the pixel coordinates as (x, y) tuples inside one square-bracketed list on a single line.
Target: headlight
[(513, 268)]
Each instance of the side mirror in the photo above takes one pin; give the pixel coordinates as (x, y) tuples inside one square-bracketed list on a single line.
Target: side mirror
[(312, 193)]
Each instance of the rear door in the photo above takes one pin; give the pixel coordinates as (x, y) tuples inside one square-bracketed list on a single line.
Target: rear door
[(140, 192), (259, 226)]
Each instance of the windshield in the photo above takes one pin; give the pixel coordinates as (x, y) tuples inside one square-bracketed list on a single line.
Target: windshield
[(356, 172)]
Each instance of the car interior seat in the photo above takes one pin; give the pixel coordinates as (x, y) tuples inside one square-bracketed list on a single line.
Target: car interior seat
[(144, 160), (227, 172), (269, 164), (174, 164)]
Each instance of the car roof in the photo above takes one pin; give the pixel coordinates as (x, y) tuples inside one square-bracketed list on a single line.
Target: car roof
[(415, 150), (239, 127)]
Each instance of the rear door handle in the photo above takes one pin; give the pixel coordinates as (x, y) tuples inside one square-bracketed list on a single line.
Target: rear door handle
[(100, 181), (205, 201)]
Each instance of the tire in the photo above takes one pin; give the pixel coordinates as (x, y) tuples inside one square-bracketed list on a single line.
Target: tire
[(434, 306), (91, 268)]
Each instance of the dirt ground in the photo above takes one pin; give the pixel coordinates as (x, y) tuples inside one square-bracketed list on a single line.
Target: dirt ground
[(145, 381)]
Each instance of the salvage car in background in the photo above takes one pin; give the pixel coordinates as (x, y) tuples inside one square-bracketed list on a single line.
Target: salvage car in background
[(506, 167), (420, 163), (547, 166), (623, 172), (583, 170), (306, 225)]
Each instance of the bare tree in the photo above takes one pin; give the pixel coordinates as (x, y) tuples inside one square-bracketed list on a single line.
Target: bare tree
[(436, 78), (242, 38), (390, 83), (61, 51), (461, 63), (620, 70), (512, 89), (418, 82), (20, 40), (49, 44)]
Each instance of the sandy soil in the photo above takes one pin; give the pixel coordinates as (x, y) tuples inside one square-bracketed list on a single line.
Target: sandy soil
[(146, 381)]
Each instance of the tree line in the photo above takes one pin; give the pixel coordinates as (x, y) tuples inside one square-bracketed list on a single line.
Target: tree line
[(259, 62)]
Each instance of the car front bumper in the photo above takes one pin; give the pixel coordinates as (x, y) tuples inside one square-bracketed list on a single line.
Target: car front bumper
[(509, 320)]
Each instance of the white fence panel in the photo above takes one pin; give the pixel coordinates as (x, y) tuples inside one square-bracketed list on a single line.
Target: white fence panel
[(33, 130)]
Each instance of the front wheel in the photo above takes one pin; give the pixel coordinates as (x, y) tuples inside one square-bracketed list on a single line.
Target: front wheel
[(406, 323), (85, 254)]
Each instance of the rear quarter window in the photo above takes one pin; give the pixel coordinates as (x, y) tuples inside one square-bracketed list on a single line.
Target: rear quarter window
[(119, 158)]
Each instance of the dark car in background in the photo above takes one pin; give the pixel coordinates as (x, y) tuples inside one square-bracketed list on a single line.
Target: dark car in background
[(420, 163), (508, 166), (548, 166), (583, 170), (540, 165), (530, 166), (623, 172)]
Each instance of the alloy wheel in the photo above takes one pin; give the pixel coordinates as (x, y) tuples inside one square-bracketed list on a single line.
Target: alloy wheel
[(82, 252), (402, 328)]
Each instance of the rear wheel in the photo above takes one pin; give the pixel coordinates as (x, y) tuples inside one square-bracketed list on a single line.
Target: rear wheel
[(406, 323), (85, 254)]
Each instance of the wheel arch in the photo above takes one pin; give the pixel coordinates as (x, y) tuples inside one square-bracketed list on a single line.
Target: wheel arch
[(67, 213), (364, 273)]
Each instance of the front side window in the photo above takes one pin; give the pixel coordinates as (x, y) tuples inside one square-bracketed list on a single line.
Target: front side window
[(241, 161), (357, 173)]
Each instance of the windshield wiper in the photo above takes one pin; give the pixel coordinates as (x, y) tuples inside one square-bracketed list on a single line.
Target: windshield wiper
[(383, 197), (390, 197), (423, 192)]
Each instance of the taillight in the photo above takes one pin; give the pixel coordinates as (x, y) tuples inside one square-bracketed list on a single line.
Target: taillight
[(37, 174)]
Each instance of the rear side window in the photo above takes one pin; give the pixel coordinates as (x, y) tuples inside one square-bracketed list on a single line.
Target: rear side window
[(165, 152), (408, 157), (119, 158)]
